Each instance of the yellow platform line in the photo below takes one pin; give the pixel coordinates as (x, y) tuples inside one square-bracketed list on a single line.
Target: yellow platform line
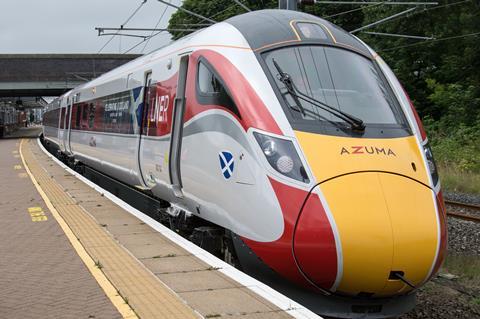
[(123, 308), (141, 289)]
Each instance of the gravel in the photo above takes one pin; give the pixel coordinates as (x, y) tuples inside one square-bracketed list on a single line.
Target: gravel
[(462, 197), (459, 298), (442, 302), (463, 237)]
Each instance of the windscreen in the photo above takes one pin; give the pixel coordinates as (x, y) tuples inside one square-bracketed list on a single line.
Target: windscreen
[(342, 79)]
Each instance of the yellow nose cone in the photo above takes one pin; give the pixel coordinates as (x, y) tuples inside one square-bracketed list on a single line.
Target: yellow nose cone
[(386, 223)]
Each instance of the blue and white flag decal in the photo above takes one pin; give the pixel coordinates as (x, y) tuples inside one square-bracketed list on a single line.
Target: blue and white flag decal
[(226, 163)]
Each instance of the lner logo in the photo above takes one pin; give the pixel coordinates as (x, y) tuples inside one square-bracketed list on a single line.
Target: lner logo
[(226, 163)]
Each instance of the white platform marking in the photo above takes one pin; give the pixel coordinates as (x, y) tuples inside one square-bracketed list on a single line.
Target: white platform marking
[(284, 303)]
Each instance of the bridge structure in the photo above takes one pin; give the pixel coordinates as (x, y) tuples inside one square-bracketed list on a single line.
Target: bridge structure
[(37, 75)]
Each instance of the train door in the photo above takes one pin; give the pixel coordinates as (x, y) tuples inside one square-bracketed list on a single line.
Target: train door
[(68, 123), (59, 123), (177, 128), (144, 128), (65, 116)]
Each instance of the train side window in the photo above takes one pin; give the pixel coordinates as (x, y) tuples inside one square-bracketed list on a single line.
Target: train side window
[(85, 112), (207, 81), (78, 108), (211, 89), (91, 116)]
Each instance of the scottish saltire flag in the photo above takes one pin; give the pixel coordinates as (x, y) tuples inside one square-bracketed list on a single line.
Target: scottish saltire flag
[(226, 163)]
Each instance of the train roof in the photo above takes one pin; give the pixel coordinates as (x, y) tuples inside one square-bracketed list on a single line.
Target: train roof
[(265, 29), (258, 30)]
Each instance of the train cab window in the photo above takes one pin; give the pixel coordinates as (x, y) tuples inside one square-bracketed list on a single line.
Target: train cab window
[(341, 79), (211, 89), (207, 81)]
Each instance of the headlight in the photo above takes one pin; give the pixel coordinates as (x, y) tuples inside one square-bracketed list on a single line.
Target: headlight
[(282, 156), (432, 167)]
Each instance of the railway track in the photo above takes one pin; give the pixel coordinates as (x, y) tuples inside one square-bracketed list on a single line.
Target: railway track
[(462, 215)]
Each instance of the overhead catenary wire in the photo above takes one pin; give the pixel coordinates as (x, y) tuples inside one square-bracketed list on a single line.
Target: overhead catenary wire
[(152, 34), (101, 30), (431, 41), (124, 35), (434, 8), (384, 20), (188, 11), (126, 21), (147, 41), (203, 24), (159, 32), (353, 10), (148, 37), (222, 11), (404, 3), (395, 35), (242, 5)]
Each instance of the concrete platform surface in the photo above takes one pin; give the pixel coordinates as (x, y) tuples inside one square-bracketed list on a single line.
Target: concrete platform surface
[(25, 132), (41, 276), (156, 277)]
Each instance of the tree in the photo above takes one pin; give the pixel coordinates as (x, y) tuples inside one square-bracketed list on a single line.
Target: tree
[(450, 65)]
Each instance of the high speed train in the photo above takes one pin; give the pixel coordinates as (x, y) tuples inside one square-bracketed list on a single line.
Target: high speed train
[(290, 135)]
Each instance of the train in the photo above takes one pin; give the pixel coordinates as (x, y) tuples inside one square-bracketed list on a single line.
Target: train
[(288, 141)]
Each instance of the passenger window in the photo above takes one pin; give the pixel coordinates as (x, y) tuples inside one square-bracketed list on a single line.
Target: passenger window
[(207, 81), (211, 90)]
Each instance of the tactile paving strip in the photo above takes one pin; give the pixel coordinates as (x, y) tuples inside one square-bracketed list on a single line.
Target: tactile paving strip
[(141, 289)]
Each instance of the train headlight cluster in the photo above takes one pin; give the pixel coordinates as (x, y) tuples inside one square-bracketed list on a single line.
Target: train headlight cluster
[(432, 167), (269, 148), (282, 156)]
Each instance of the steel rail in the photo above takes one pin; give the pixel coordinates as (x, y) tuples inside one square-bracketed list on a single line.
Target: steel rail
[(465, 205), (462, 215)]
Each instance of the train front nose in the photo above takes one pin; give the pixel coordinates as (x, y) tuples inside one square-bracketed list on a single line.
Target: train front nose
[(385, 224)]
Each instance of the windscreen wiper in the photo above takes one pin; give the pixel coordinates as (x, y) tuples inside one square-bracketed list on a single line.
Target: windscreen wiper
[(286, 79)]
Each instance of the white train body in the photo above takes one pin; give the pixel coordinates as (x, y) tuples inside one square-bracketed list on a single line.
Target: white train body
[(193, 122)]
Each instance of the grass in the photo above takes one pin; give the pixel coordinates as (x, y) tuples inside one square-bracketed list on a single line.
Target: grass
[(476, 301), (454, 180), (465, 266)]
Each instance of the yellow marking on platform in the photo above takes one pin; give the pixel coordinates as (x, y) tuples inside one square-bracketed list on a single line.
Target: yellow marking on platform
[(150, 297), (32, 210), (37, 214), (14, 152), (16, 156), (17, 167), (39, 219), (22, 175), (111, 292)]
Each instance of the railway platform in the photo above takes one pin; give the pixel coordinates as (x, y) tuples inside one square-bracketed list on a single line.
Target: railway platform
[(69, 251), (24, 132)]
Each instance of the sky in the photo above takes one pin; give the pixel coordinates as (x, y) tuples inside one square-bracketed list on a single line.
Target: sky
[(68, 26)]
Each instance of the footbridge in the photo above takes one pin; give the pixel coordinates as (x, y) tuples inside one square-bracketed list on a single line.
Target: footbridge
[(52, 74)]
